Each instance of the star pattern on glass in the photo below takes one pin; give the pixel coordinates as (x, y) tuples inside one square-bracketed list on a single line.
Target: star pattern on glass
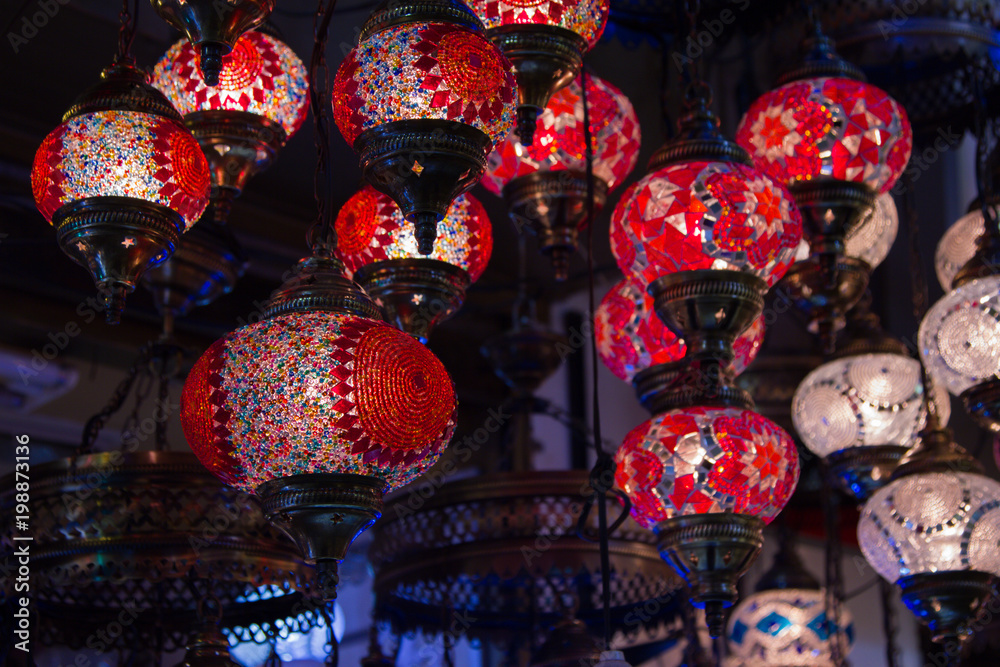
[(317, 392), (705, 215), (128, 242), (586, 18), (705, 460), (559, 143), (261, 75), (833, 128), (371, 228)]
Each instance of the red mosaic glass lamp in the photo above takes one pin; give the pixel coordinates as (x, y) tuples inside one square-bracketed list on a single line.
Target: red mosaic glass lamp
[(258, 103), (707, 479), (318, 410), (837, 142), (545, 183), (546, 41), (213, 27), (120, 179), (416, 292), (638, 348), (320, 407), (706, 233), (423, 98)]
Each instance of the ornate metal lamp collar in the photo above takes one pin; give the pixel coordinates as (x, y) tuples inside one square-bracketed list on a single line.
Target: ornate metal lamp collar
[(393, 13)]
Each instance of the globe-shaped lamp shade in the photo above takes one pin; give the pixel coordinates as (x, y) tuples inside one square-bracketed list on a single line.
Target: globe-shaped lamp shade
[(371, 228), (828, 129), (317, 392), (861, 401), (424, 71), (584, 17), (631, 338), (960, 335), (261, 76), (704, 460), (121, 154), (705, 215), (958, 245), (559, 143), (872, 239), (786, 628), (932, 522)]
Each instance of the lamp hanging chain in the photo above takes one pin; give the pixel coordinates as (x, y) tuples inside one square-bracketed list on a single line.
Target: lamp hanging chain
[(919, 282), (695, 88), (888, 622), (126, 32), (322, 236), (333, 655), (96, 423), (834, 586), (601, 476)]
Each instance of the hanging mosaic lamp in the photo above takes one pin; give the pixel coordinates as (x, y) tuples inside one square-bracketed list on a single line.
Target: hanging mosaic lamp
[(258, 103), (708, 234), (959, 336), (862, 411), (213, 27), (120, 179), (960, 344), (638, 348), (318, 409), (837, 143), (707, 480), (933, 532), (423, 98), (545, 183), (546, 42), (416, 292), (784, 622)]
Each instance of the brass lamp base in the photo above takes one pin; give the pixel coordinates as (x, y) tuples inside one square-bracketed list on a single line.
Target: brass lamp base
[(830, 210), (213, 26), (323, 513), (947, 602), (116, 239), (416, 294), (982, 402), (554, 204), (237, 144), (545, 58), (824, 288), (423, 165), (708, 309), (711, 552), (861, 471)]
